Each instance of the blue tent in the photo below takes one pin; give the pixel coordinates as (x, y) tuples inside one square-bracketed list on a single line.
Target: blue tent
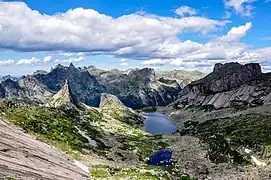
[(161, 158)]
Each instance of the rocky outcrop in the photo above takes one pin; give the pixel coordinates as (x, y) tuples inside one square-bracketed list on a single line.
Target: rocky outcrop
[(113, 107), (27, 87), (84, 86), (137, 88), (31, 88), (231, 84), (64, 98)]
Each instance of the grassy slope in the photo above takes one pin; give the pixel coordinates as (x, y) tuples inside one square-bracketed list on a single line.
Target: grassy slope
[(58, 128), (226, 136)]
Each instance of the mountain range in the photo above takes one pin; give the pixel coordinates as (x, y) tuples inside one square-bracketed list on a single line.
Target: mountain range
[(136, 88), (89, 119)]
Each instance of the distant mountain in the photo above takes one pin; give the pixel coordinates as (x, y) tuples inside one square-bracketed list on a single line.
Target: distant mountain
[(8, 77), (230, 84), (84, 86), (137, 88), (181, 76)]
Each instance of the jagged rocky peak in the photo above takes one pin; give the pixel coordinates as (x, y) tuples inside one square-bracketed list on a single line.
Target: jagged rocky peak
[(63, 97), (83, 85), (145, 73), (71, 66), (4, 78), (40, 72)]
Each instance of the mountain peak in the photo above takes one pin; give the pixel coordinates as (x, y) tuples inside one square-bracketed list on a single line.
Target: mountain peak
[(234, 67), (63, 97), (71, 66)]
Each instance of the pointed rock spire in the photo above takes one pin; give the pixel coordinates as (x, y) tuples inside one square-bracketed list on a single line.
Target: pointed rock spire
[(63, 97), (71, 66)]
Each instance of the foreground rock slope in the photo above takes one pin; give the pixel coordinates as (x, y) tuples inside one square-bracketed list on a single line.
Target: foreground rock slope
[(23, 157)]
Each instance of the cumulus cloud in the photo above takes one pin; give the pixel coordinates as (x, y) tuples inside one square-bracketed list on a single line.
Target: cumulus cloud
[(137, 36), (6, 62), (242, 7), (236, 33), (226, 48), (48, 59), (185, 10), (70, 60), (28, 61)]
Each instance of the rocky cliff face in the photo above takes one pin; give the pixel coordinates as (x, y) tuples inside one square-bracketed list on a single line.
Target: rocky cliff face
[(84, 86), (26, 87), (229, 85), (138, 88)]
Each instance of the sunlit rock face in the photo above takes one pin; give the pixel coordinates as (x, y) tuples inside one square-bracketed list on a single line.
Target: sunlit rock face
[(64, 98), (113, 107), (229, 85)]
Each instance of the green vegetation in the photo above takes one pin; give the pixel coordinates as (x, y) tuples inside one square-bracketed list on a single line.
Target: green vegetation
[(143, 145), (226, 135), (148, 109), (138, 173), (54, 126)]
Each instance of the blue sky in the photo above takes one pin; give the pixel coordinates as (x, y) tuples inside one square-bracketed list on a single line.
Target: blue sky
[(128, 34)]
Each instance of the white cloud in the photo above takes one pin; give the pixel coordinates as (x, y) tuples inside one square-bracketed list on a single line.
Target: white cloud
[(6, 62), (156, 62), (227, 15), (124, 64), (86, 31), (123, 59), (28, 61), (48, 59), (242, 7), (223, 49), (236, 33), (183, 10), (70, 60)]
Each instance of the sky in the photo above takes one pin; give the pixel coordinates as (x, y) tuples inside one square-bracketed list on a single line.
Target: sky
[(123, 34)]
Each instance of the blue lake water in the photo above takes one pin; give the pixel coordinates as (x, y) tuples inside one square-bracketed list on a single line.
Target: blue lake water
[(158, 124)]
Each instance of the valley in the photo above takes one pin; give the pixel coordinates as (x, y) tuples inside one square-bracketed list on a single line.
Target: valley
[(220, 125)]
